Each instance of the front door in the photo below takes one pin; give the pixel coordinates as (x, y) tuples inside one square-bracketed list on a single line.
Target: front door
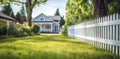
[(56, 28)]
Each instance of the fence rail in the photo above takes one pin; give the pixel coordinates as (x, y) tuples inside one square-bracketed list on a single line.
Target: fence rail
[(102, 32)]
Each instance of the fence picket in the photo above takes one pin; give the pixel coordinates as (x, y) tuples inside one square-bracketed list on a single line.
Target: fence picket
[(103, 32)]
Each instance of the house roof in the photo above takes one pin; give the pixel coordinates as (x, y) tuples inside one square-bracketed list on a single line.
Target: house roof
[(50, 17), (6, 17), (54, 17)]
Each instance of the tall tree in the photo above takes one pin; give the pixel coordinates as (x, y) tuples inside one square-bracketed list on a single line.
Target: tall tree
[(30, 4), (62, 21), (19, 17), (8, 11), (12, 14), (57, 13), (101, 7), (22, 11)]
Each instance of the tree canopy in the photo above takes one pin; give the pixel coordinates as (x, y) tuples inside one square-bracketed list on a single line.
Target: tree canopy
[(78, 11), (8, 11), (19, 17)]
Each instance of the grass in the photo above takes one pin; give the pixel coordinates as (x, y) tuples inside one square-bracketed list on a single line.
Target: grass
[(49, 47)]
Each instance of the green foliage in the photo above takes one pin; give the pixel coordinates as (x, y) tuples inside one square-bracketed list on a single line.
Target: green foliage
[(19, 18), (62, 21), (12, 30), (113, 6), (8, 11), (22, 11), (64, 31), (3, 30), (26, 31), (12, 14), (57, 13), (35, 29), (78, 11)]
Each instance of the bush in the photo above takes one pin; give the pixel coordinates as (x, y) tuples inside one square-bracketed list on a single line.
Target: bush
[(12, 30), (64, 32), (35, 29), (3, 30), (26, 31), (2, 36)]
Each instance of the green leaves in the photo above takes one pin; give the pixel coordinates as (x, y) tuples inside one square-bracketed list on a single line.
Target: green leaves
[(78, 11)]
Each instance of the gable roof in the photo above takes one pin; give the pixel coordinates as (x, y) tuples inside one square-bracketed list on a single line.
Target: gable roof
[(50, 17), (54, 17), (39, 15)]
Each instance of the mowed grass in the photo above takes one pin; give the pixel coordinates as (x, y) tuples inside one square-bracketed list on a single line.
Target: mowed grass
[(49, 47)]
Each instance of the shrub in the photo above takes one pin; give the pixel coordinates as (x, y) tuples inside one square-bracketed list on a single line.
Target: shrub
[(26, 31), (3, 30), (35, 29), (64, 31), (2, 36), (12, 30)]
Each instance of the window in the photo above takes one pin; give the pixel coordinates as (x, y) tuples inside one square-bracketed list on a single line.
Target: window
[(47, 26), (42, 19)]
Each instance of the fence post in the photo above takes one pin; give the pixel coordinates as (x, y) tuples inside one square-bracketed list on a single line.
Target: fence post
[(104, 28)]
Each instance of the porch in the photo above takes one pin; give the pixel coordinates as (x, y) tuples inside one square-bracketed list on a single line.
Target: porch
[(49, 28)]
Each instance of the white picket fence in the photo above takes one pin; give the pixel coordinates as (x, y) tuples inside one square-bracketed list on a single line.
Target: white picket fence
[(102, 32)]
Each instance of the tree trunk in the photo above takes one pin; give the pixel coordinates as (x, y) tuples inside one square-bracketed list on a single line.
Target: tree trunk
[(100, 8), (29, 12)]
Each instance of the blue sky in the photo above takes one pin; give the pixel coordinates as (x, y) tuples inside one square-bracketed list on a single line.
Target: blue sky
[(48, 8)]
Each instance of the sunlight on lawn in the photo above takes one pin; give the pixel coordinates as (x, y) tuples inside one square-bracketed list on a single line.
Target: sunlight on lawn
[(49, 46)]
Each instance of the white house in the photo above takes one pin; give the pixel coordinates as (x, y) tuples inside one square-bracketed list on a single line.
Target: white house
[(49, 24)]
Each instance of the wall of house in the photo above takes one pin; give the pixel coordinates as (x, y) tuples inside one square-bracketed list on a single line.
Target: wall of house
[(3, 23)]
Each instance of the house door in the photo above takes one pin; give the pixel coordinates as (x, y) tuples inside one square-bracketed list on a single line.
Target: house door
[(56, 28)]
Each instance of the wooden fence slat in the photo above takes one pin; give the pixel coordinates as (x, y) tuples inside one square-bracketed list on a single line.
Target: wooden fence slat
[(103, 32)]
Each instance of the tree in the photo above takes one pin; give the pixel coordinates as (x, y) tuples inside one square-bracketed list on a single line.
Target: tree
[(22, 11), (105, 7), (19, 17), (30, 4), (12, 14), (113, 7), (62, 21), (57, 12), (8, 11), (101, 7)]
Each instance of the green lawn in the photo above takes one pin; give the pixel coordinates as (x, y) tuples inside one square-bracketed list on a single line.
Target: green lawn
[(49, 47)]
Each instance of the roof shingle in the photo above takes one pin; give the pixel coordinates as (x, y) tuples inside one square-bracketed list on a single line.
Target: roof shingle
[(6, 17)]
